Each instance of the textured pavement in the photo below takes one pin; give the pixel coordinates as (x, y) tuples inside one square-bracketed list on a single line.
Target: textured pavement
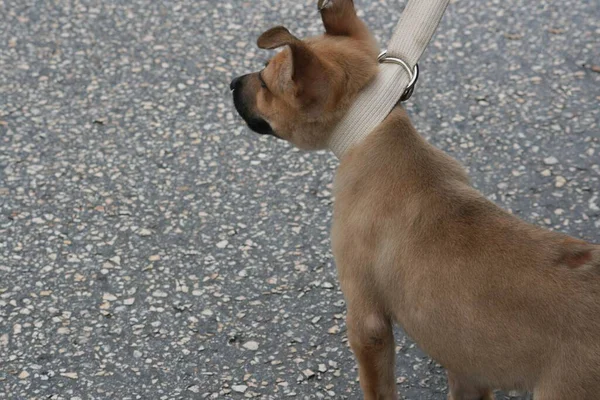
[(151, 247)]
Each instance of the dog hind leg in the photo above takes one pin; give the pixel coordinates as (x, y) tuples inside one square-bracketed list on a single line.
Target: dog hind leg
[(462, 389)]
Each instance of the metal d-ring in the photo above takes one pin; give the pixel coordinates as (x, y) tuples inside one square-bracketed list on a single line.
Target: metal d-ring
[(413, 74)]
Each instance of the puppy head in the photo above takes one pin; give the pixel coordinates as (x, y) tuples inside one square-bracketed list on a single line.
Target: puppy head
[(306, 88)]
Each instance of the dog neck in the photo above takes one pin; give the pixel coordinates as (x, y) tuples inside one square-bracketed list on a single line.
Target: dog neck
[(396, 145), (342, 140)]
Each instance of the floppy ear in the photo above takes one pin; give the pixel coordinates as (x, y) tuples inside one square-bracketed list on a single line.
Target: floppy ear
[(303, 59), (307, 71), (276, 37)]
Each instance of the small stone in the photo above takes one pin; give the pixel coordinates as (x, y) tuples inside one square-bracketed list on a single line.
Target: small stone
[(513, 36), (207, 313), (536, 79), (301, 268), (129, 301), (159, 293), (239, 388), (560, 181), (550, 160), (308, 373), (251, 345), (546, 172), (155, 257), (24, 375), (334, 329), (115, 260), (326, 285), (72, 375), (144, 232), (592, 204), (38, 220), (222, 244), (322, 368), (109, 297)]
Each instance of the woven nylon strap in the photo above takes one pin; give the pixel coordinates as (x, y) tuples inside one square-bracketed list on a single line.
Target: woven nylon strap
[(417, 25)]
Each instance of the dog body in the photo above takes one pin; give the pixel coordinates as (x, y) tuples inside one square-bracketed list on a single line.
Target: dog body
[(497, 301)]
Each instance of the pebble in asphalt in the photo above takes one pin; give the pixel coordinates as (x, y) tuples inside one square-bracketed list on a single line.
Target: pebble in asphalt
[(151, 247)]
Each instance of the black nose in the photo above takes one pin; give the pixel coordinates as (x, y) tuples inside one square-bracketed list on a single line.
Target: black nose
[(235, 83)]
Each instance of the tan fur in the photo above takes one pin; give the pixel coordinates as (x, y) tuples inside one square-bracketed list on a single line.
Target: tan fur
[(495, 300), (501, 303)]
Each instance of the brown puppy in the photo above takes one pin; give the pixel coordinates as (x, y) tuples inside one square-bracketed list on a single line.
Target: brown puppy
[(499, 302)]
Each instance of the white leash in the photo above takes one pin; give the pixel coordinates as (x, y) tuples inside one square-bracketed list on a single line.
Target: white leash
[(397, 74)]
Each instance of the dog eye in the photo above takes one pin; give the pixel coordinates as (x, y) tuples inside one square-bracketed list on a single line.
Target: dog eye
[(262, 82)]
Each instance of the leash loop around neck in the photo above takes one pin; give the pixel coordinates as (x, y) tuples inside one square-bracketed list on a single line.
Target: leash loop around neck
[(414, 74), (415, 29)]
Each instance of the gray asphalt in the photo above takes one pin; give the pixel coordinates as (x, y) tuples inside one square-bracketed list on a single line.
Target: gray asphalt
[(151, 247)]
